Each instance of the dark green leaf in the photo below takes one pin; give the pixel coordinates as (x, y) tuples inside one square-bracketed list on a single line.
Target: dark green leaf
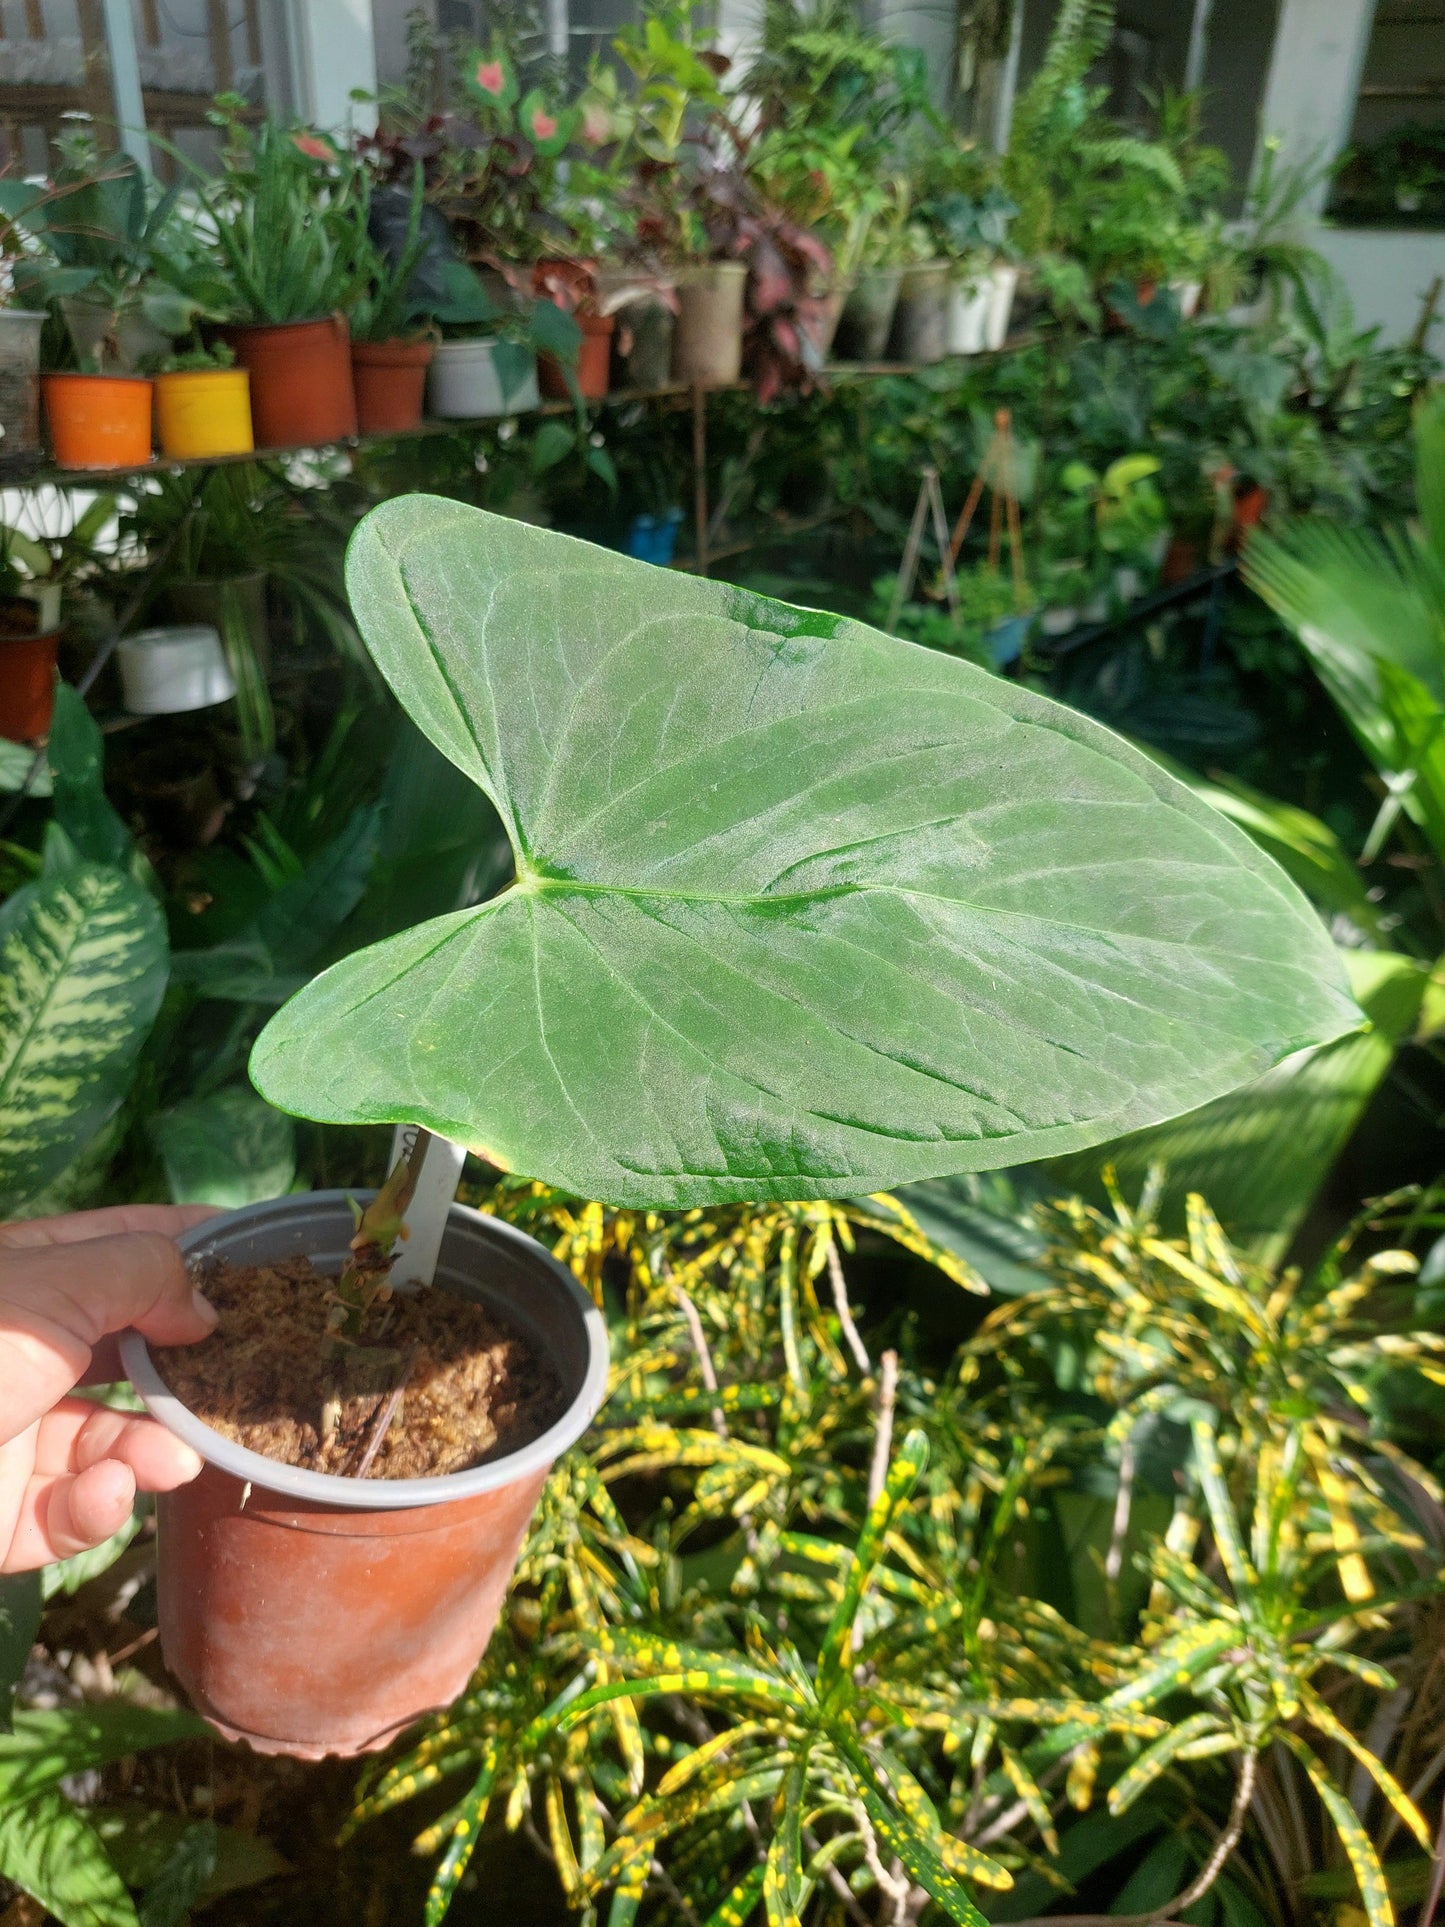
[(797, 904), (19, 1623), (83, 960), (228, 1149), (183, 1877), (54, 1853)]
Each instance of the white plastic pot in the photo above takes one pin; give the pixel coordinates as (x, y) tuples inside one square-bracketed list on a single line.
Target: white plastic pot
[(1058, 622), (1002, 287), (1187, 294), (968, 313), (165, 672), (470, 380)]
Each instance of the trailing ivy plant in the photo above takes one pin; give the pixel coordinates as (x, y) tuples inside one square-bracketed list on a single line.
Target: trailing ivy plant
[(799, 909)]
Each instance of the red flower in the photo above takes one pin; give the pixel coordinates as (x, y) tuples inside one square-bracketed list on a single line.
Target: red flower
[(491, 78)]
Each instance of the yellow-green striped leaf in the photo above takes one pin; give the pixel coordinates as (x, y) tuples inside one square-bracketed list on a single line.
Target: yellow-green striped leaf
[(82, 970)]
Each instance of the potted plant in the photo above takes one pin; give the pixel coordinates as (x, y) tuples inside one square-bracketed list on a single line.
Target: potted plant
[(832, 913), (571, 286), (285, 215), (966, 214), (20, 329), (202, 403), (29, 636), (601, 205), (488, 366)]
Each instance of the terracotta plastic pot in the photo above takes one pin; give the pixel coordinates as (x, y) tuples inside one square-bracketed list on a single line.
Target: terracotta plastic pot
[(390, 381), (301, 392), (867, 318), (99, 421), (920, 321), (309, 1614), (707, 343), (1250, 503), (594, 359), (1183, 557), (27, 685), (20, 380), (204, 411)]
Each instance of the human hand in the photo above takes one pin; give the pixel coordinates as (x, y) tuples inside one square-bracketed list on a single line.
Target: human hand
[(69, 1469)]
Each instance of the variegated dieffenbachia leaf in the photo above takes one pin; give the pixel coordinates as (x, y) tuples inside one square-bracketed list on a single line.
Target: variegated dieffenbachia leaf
[(83, 960), (800, 910)]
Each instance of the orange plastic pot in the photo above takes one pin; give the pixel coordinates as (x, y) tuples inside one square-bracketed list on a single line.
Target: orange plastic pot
[(99, 421), (390, 382), (594, 361), (27, 685), (301, 388), (309, 1614)]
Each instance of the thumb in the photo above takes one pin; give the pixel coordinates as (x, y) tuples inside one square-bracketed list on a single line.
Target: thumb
[(58, 1302)]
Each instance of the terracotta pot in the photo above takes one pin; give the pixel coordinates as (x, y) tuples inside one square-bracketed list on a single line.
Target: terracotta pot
[(27, 684), (707, 343), (1250, 503), (310, 1614), (594, 359), (390, 381), (99, 421), (301, 392)]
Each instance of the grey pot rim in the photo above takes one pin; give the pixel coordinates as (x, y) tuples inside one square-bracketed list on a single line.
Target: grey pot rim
[(377, 1495)]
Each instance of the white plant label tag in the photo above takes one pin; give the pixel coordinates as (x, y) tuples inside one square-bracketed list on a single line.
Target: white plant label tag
[(426, 1216)]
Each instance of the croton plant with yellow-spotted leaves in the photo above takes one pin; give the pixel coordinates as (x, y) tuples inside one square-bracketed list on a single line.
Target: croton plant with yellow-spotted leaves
[(1112, 1615)]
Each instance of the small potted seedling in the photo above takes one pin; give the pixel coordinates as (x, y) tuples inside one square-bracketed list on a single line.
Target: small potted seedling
[(800, 910)]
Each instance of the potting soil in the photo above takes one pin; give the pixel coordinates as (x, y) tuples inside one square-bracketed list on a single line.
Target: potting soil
[(473, 1387)]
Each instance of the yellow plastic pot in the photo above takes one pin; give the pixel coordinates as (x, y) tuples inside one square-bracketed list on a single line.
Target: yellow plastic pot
[(206, 411)]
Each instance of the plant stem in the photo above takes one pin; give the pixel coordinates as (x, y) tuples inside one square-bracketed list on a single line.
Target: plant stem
[(883, 1437)]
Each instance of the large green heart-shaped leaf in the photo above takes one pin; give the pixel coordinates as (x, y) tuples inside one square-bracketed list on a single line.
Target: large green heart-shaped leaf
[(800, 910)]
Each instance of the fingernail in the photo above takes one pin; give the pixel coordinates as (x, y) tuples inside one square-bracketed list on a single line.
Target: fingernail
[(205, 1310)]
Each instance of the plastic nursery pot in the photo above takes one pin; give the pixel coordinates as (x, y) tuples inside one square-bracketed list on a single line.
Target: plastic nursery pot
[(966, 323), (867, 318), (1002, 288), (310, 1614), (920, 322), (707, 342), (594, 361), (204, 411), (642, 339), (822, 325), (390, 382), (27, 682), (99, 421), (470, 380), (301, 392), (20, 381), (168, 672)]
